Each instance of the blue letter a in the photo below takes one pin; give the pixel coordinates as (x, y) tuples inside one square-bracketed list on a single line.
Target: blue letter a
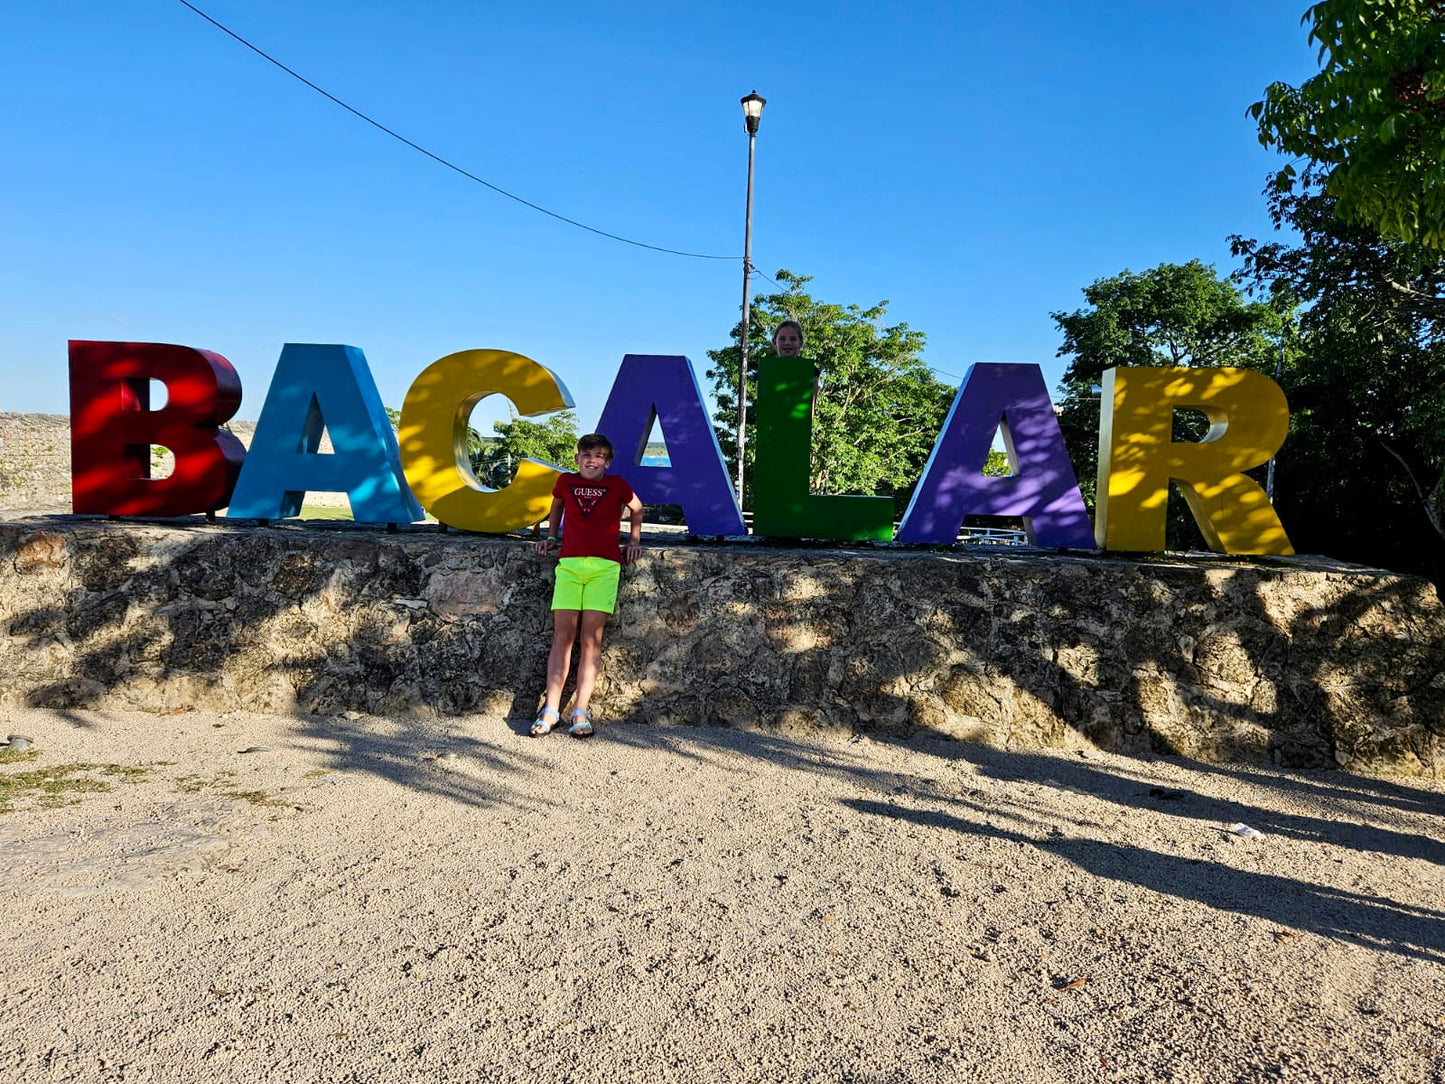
[(316, 389)]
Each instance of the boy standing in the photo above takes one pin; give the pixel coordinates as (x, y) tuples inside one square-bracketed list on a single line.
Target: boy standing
[(587, 514)]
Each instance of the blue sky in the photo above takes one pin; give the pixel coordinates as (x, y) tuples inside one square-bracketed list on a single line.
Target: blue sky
[(976, 164)]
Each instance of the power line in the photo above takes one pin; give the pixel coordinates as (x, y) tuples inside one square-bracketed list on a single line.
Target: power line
[(774, 281), (438, 158)]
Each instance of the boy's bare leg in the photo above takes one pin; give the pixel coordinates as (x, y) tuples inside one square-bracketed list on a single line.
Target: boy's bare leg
[(589, 655), (559, 661)]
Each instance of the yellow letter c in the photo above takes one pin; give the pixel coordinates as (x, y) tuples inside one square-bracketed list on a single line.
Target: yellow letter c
[(433, 439)]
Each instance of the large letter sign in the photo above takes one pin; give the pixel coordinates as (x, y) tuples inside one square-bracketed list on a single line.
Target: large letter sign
[(1042, 490), (782, 505), (320, 389), (112, 429), (1248, 420), (660, 388), (434, 439), (329, 388)]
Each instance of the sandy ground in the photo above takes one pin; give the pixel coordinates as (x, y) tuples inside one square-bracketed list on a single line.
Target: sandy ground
[(356, 899)]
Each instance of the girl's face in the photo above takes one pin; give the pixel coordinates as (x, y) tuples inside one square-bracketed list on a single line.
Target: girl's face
[(787, 342)]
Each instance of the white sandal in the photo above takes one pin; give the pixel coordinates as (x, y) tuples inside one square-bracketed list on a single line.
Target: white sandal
[(541, 726)]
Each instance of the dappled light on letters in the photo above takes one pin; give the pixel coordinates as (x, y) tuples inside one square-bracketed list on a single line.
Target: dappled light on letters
[(323, 389), (1138, 459), (113, 428), (434, 420), (1013, 401), (663, 388)]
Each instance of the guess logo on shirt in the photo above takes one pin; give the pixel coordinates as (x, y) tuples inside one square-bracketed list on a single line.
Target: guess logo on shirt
[(587, 497)]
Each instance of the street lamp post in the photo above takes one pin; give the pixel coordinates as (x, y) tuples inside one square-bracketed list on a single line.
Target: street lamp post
[(1278, 375), (752, 114)]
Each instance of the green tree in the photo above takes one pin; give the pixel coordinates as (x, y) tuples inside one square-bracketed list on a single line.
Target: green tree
[(552, 441), (1373, 119), (1170, 315), (878, 407), (997, 465), (1362, 475), (494, 459)]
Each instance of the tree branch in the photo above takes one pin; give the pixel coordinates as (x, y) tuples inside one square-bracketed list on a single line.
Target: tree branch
[(1434, 303), (1425, 503)]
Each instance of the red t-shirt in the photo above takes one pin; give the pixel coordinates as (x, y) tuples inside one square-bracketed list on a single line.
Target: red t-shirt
[(592, 515)]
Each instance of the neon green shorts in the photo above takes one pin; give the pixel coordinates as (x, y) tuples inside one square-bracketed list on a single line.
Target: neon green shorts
[(586, 583)]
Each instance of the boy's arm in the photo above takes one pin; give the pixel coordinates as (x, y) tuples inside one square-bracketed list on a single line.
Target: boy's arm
[(633, 549), (554, 520)]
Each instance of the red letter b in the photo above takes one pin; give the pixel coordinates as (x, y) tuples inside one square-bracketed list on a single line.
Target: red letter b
[(112, 429)]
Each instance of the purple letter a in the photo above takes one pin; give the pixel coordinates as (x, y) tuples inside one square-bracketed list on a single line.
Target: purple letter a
[(1043, 489), (663, 388)]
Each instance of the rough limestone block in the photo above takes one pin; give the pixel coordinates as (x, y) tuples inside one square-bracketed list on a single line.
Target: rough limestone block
[(1301, 663)]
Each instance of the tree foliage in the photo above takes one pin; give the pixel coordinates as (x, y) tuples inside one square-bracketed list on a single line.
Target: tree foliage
[(552, 441), (1362, 475), (1170, 315), (494, 459), (878, 407), (1373, 119)]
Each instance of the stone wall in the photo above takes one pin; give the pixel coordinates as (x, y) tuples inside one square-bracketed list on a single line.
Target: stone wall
[(1299, 663)]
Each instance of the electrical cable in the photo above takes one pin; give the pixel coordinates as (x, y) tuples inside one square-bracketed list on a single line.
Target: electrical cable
[(438, 158), (774, 281), (458, 169)]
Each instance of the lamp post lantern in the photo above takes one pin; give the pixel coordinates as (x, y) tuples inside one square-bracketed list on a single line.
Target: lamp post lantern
[(752, 114)]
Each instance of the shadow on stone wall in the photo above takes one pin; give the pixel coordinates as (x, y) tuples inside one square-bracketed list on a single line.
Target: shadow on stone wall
[(315, 620), (1294, 663)]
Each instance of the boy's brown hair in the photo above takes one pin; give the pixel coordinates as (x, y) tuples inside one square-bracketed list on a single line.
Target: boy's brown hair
[(595, 442)]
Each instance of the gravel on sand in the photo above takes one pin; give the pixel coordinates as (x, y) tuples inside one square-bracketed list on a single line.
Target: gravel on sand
[(245, 898)]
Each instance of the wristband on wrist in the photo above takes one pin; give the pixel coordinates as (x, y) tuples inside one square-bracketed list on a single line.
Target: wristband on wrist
[(553, 538)]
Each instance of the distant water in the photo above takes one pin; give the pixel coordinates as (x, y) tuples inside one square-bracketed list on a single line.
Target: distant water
[(656, 461)]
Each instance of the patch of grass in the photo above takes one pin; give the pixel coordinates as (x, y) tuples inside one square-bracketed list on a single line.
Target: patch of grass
[(325, 512), (63, 784), (223, 783), (129, 773), (48, 787), (255, 797), (194, 784)]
